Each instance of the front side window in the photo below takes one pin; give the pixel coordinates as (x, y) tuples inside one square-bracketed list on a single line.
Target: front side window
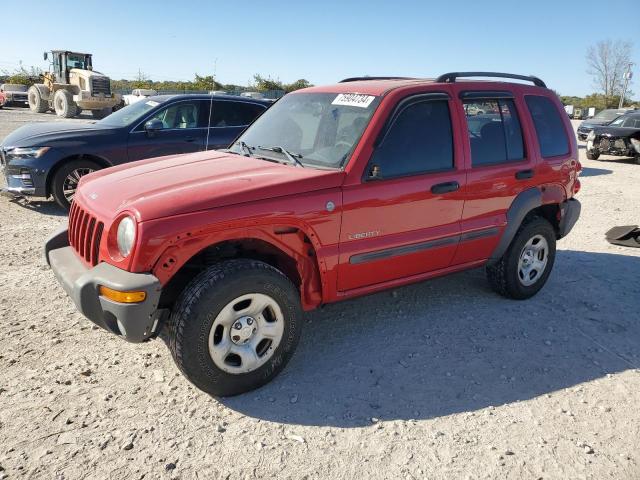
[(179, 115), (552, 136), (227, 113), (632, 122), (419, 141), (494, 131), (321, 129)]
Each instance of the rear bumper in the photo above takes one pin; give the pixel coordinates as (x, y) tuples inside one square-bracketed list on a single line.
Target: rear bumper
[(570, 212), (135, 322)]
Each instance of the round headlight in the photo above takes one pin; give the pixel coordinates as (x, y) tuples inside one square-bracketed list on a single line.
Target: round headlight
[(126, 235)]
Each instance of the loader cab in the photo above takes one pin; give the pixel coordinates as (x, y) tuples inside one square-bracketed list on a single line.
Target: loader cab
[(64, 61)]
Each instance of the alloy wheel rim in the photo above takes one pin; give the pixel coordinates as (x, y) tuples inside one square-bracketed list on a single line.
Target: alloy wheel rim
[(246, 333), (533, 260), (70, 184)]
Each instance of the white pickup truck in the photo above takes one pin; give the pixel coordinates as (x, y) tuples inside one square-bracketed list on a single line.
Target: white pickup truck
[(137, 95)]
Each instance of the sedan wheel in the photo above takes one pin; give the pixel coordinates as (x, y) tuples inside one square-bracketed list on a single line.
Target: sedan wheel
[(71, 182)]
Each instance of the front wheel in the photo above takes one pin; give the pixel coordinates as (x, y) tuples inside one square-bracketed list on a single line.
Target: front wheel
[(525, 267), (235, 326), (65, 180)]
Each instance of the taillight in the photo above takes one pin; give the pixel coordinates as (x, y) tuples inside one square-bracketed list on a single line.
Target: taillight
[(576, 186)]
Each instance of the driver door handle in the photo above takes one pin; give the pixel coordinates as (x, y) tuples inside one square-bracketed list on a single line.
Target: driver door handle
[(445, 187), (524, 174)]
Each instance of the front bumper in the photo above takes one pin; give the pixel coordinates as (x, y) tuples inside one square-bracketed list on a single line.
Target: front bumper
[(569, 214), (617, 147), (135, 322)]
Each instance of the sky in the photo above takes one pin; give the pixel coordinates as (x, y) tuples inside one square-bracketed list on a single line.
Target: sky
[(323, 41)]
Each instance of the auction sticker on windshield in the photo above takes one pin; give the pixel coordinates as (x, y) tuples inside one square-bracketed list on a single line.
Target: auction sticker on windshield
[(152, 103), (353, 100)]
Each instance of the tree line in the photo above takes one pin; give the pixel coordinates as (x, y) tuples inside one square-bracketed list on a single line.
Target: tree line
[(31, 75)]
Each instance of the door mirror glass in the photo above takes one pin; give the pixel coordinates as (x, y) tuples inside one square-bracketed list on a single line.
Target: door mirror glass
[(152, 126)]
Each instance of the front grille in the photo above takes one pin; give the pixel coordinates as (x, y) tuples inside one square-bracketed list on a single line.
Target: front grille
[(19, 98), (100, 85), (85, 233)]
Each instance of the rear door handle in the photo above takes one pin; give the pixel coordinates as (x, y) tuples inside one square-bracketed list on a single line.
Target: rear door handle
[(189, 139), (445, 187), (524, 174)]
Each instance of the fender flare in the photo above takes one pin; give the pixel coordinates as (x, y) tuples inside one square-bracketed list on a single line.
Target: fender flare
[(524, 202)]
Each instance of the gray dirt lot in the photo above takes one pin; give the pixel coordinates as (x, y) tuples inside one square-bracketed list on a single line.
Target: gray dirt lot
[(442, 379)]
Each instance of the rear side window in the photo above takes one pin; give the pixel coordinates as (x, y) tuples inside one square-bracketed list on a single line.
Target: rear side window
[(552, 136), (234, 114), (419, 141), (494, 131)]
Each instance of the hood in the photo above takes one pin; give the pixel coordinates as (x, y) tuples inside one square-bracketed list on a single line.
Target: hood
[(180, 184), (592, 122), (50, 133), (615, 131)]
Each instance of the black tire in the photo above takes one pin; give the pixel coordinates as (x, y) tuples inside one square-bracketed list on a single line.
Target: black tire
[(196, 310), (64, 105), (81, 167), (36, 102), (99, 114), (591, 155), (504, 275)]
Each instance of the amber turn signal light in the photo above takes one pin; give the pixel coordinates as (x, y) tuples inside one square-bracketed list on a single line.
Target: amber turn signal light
[(122, 297)]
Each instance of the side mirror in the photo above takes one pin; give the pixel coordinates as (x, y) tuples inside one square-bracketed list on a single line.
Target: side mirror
[(153, 126), (45, 55)]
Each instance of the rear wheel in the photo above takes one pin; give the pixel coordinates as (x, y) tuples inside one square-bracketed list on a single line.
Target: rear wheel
[(100, 113), (592, 155), (64, 105), (65, 181), (36, 102), (235, 326), (525, 267)]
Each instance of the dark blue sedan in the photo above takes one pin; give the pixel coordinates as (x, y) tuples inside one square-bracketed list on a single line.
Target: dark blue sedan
[(48, 159)]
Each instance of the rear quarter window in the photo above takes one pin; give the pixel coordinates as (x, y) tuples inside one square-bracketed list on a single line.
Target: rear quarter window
[(552, 136)]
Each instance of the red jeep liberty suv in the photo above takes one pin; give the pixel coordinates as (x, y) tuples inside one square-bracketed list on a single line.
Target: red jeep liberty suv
[(334, 192)]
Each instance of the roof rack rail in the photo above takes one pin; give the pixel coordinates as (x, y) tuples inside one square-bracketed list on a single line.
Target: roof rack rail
[(358, 79), (451, 77)]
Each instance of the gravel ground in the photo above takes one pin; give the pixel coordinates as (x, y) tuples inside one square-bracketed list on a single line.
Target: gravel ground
[(441, 380)]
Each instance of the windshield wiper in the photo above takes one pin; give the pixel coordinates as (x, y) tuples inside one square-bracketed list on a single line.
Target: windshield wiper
[(292, 157), (245, 148)]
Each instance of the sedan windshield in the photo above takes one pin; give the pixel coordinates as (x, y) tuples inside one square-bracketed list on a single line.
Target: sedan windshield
[(130, 114), (318, 129), (607, 115)]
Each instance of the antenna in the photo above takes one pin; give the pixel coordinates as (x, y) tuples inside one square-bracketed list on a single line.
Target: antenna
[(213, 87)]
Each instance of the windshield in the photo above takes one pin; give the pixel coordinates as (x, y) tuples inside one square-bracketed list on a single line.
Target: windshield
[(130, 114), (319, 129), (75, 60), (607, 115), (10, 87)]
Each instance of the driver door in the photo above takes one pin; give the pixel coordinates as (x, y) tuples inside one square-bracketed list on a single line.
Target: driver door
[(182, 131)]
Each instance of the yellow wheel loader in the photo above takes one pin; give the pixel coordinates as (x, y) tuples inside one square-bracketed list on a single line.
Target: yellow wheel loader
[(72, 86)]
